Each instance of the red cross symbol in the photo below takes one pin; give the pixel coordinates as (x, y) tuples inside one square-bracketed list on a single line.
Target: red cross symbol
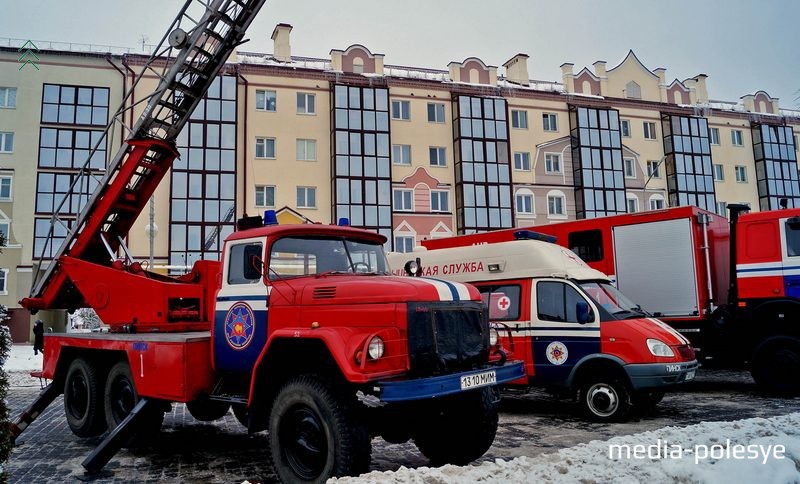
[(503, 303)]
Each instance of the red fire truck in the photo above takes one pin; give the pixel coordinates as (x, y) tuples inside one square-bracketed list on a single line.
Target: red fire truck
[(732, 287), (576, 332), (299, 329)]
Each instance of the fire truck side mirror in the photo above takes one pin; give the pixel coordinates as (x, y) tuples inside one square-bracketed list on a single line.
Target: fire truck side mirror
[(582, 311)]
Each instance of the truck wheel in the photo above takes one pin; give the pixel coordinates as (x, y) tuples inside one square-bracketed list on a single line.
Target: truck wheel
[(314, 433), (206, 410), (83, 400), (776, 366), (605, 398), (460, 429), (120, 398)]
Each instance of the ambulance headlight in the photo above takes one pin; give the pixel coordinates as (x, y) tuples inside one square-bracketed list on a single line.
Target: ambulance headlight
[(659, 348), (375, 348), (493, 336)]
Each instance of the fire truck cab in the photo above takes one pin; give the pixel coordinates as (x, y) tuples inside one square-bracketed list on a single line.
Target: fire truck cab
[(575, 331)]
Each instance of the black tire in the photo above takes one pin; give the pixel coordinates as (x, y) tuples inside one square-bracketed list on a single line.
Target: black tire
[(205, 410), (240, 412), (315, 434), (120, 397), (776, 366), (83, 400), (647, 399), (457, 430), (605, 398)]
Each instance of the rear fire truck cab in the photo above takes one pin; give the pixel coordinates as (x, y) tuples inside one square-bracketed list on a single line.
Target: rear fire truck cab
[(575, 331)]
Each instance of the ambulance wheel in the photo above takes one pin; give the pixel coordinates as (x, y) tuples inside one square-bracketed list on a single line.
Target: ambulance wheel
[(604, 398), (459, 429), (120, 397), (83, 400), (240, 412), (776, 365), (206, 410), (315, 434)]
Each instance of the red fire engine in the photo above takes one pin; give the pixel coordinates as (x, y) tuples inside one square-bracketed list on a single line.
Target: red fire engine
[(733, 288), (299, 329)]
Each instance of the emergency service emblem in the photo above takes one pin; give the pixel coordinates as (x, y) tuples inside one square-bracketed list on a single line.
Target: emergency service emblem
[(239, 325), (556, 353)]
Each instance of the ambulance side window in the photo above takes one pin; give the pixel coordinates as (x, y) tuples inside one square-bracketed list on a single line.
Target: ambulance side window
[(244, 263), (502, 301), (792, 237), (555, 301)]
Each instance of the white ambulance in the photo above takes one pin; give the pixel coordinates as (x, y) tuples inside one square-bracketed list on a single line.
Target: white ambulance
[(575, 331)]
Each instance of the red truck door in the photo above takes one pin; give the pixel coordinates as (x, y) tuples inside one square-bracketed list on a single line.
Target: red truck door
[(240, 318)]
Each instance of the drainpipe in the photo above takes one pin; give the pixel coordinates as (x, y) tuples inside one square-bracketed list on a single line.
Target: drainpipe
[(246, 139), (133, 85)]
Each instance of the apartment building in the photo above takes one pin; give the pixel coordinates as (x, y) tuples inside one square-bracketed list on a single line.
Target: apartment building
[(410, 152)]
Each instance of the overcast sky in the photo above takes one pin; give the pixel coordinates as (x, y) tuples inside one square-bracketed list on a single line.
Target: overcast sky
[(742, 45)]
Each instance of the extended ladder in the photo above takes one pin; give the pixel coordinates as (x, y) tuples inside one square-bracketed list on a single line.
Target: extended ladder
[(186, 61)]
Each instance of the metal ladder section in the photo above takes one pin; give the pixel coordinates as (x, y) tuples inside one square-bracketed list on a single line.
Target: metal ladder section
[(186, 61)]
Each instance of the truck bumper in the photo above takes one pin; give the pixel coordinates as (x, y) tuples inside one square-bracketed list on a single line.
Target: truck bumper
[(659, 375), (438, 386)]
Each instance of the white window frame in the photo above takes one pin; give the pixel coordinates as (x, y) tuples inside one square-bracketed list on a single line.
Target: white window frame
[(4, 281), (653, 168), (304, 110), (550, 122), (264, 189), (722, 208), (522, 161), (306, 190), (10, 196), (436, 113), (399, 154), (7, 233), (548, 164), (629, 162), (649, 130), (713, 133), (656, 197), (302, 151), (265, 106), (407, 196), (519, 117), (630, 197), (441, 156), (401, 110), (553, 195), (439, 196), (719, 172), (402, 240), (5, 136), (625, 128), (741, 173), (526, 196), (5, 96), (265, 141), (737, 137)]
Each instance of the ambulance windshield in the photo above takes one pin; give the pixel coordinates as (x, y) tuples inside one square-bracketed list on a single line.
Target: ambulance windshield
[(608, 296)]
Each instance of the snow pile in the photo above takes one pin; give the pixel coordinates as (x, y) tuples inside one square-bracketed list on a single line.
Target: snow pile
[(752, 450), (20, 363)]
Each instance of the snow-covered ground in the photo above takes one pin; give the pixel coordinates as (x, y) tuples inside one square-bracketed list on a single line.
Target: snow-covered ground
[(752, 450), (21, 361)]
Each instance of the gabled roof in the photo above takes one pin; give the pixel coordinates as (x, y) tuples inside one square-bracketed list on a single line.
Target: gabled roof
[(631, 57)]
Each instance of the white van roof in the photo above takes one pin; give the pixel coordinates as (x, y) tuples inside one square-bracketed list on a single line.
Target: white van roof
[(516, 259)]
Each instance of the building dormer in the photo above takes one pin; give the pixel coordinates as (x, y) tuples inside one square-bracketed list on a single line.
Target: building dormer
[(473, 71), (678, 93), (631, 79), (357, 59), (586, 82), (760, 102)]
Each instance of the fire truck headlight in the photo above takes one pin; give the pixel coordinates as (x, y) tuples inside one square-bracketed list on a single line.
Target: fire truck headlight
[(493, 336), (375, 348), (659, 348)]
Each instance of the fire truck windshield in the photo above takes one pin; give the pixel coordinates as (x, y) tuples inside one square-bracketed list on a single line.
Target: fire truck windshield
[(318, 256), (608, 296)]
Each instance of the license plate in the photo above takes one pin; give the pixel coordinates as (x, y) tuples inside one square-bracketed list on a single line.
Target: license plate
[(689, 375), (478, 380)]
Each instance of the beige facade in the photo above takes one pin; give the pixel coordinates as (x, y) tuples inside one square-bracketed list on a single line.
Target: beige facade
[(286, 153)]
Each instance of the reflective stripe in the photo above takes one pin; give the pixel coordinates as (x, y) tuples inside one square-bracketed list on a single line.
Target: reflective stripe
[(448, 291), (669, 328)]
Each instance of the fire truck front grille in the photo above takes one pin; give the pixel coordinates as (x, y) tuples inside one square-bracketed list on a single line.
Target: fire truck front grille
[(686, 352), (447, 337)]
